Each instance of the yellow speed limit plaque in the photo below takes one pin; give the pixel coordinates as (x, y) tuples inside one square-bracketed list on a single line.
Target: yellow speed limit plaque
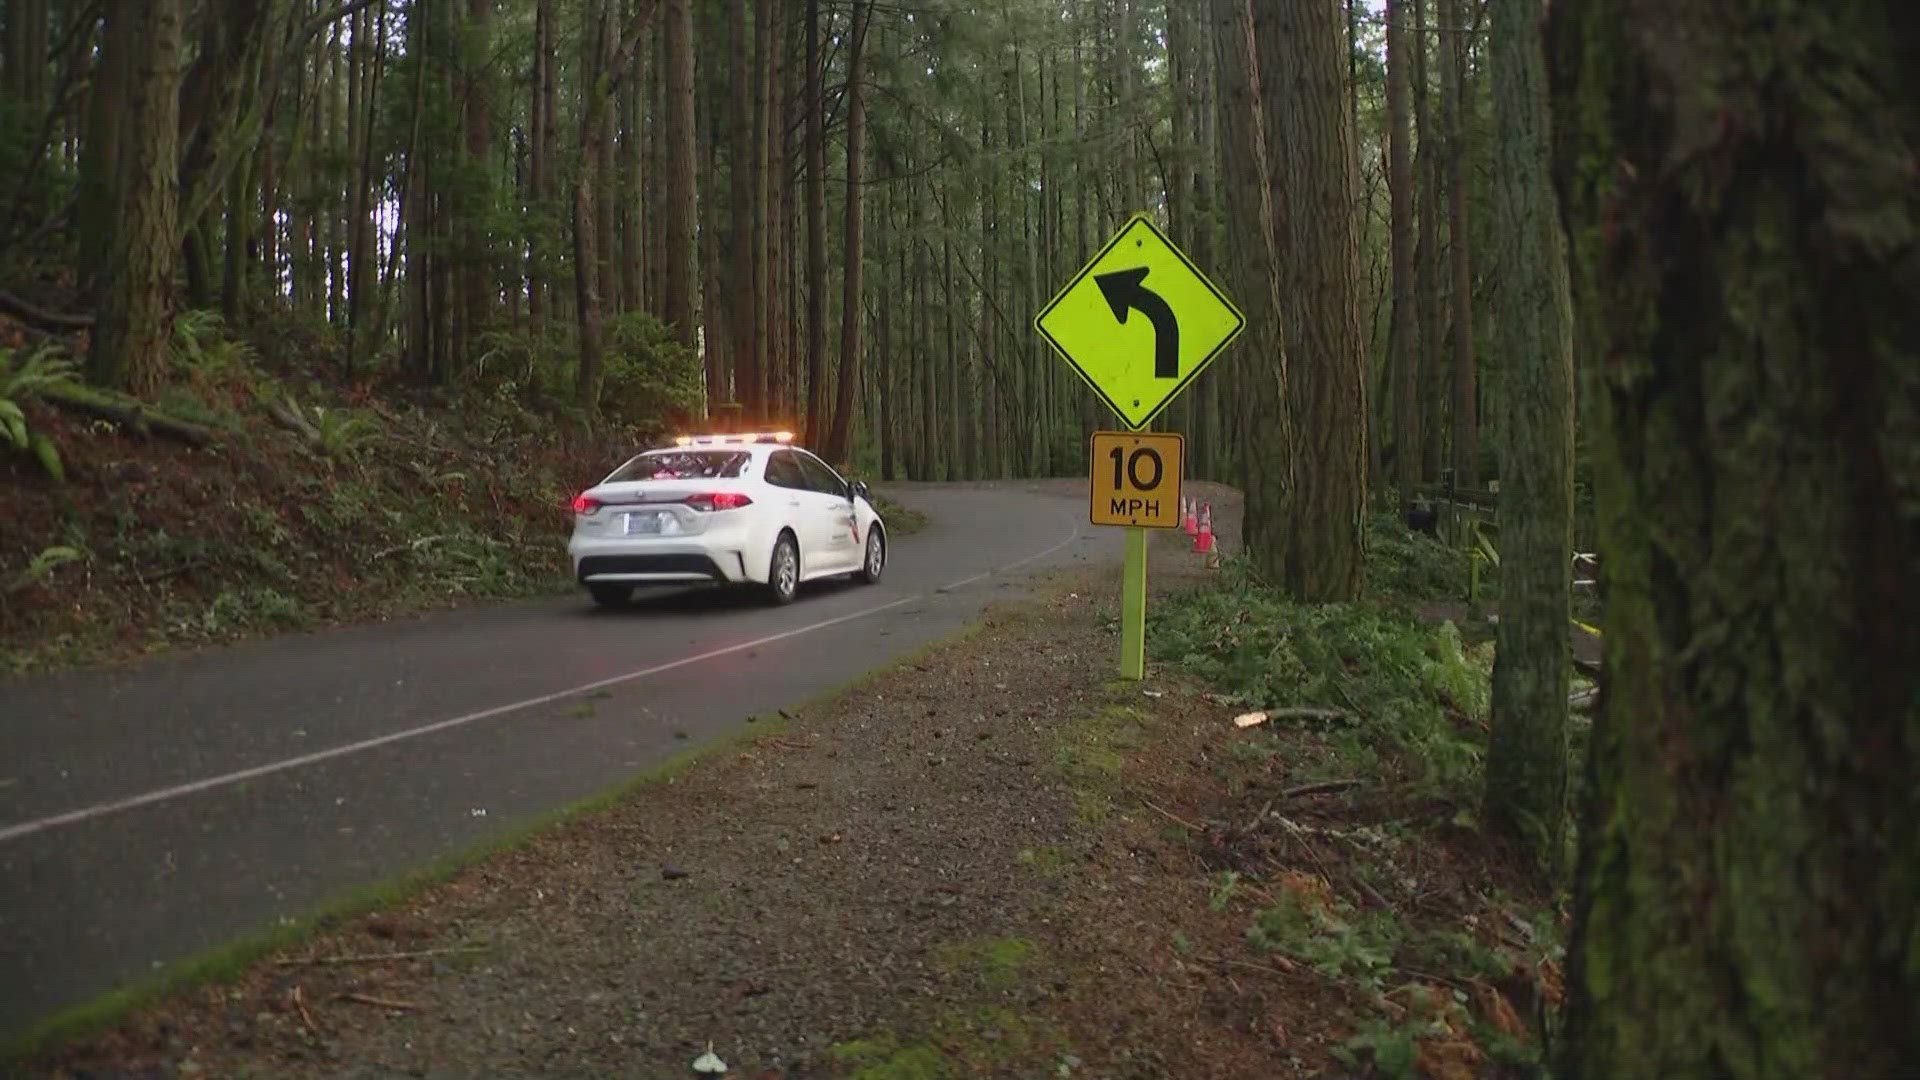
[(1136, 479)]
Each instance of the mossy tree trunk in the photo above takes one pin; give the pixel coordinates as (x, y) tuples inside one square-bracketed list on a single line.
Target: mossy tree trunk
[(136, 309), (1740, 187), (1526, 781)]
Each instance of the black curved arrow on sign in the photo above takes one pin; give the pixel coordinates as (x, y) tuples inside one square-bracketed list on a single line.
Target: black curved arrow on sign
[(1124, 291)]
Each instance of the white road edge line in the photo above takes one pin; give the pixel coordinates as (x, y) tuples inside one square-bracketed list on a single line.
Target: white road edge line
[(85, 813)]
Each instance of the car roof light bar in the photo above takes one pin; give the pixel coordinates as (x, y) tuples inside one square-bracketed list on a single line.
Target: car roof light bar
[(739, 439)]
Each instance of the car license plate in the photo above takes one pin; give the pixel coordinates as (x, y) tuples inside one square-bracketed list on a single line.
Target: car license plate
[(644, 523)]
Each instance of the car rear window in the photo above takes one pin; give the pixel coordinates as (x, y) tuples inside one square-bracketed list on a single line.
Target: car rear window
[(681, 465)]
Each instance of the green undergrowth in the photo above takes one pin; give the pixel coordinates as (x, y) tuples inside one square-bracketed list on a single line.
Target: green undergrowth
[(901, 520), (1444, 945), (316, 500), (1407, 565), (1394, 693)]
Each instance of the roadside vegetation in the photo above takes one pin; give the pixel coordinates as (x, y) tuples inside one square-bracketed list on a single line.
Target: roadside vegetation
[(1339, 829), (251, 497)]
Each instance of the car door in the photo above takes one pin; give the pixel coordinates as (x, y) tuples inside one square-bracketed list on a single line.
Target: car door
[(800, 508), (842, 542)]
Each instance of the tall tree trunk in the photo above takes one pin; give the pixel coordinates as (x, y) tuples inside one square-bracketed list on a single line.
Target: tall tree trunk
[(1303, 74), (816, 139), (1260, 372), (540, 167), (764, 51), (630, 218), (1745, 281), (479, 275), (336, 197), (742, 283), (606, 179), (679, 222), (1526, 781), (26, 55), (136, 310), (416, 209), (359, 199), (236, 263), (589, 214), (840, 441), (1428, 264), (1403, 345), (1466, 424), (98, 208)]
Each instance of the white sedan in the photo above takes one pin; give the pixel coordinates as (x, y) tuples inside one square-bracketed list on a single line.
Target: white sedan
[(726, 509)]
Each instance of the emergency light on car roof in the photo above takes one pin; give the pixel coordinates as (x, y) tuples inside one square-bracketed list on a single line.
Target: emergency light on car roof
[(725, 440)]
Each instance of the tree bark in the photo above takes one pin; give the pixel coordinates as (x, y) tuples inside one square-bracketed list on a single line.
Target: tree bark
[(816, 139), (629, 205), (588, 213), (479, 275), (1403, 351), (1260, 372), (1466, 422), (1526, 779), (761, 212), (1744, 276), (1429, 266), (840, 441), (98, 207), (135, 319), (742, 276), (678, 279), (26, 55), (540, 167), (1315, 552)]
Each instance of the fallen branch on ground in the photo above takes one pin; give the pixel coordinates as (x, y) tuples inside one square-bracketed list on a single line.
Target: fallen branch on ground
[(1296, 712), (1324, 787), (292, 421), (40, 317), (1170, 816), (374, 958), (414, 545), (384, 1003), (133, 413)]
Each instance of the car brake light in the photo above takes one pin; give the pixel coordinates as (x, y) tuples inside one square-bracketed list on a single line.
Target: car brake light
[(719, 500), (585, 504)]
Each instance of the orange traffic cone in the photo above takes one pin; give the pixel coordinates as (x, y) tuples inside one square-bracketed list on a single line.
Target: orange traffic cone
[(1203, 540), (1187, 520)]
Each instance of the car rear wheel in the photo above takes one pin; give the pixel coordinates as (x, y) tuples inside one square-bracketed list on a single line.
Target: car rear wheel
[(783, 572), (611, 595), (876, 561)]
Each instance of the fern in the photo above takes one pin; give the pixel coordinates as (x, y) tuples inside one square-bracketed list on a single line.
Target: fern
[(43, 564), (25, 378)]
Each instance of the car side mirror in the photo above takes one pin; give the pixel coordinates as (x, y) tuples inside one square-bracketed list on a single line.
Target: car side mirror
[(858, 489)]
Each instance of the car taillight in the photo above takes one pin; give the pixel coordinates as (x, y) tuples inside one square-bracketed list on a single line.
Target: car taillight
[(719, 500), (585, 504)]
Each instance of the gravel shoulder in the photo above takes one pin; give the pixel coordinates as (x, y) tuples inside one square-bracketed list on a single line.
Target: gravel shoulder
[(956, 867)]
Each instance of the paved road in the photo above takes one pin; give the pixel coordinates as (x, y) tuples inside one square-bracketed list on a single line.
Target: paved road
[(149, 813)]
